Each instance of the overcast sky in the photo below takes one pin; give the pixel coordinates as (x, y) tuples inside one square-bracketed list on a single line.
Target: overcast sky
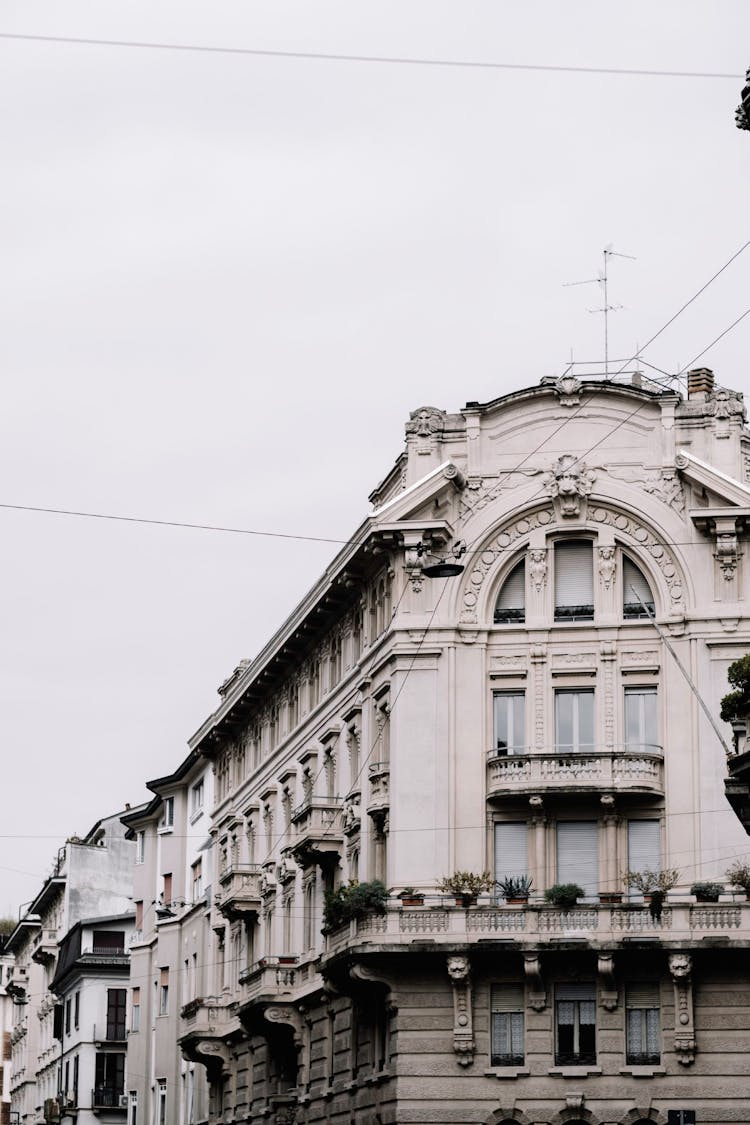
[(226, 280)]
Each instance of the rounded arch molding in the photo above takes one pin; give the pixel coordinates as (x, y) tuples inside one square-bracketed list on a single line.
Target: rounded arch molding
[(637, 1116), (635, 534), (574, 1115), (503, 1116)]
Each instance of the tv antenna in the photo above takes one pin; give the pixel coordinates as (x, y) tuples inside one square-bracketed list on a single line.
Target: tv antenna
[(607, 308)]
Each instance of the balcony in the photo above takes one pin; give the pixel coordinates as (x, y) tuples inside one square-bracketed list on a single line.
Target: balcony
[(379, 800), (45, 948), (107, 1097), (637, 770), (271, 978), (240, 890), (541, 926), (318, 830)]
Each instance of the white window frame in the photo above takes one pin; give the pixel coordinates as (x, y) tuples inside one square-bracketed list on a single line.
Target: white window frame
[(509, 713), (576, 745), (643, 716), (197, 797), (506, 1003)]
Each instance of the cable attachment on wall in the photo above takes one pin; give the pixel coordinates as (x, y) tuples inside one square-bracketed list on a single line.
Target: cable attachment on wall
[(446, 566)]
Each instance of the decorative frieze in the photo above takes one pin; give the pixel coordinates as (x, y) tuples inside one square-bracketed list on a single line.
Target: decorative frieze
[(680, 968), (463, 1032)]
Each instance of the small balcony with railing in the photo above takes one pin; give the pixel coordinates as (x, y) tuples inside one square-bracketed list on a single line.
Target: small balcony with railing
[(272, 978), (45, 947), (317, 830), (239, 891), (378, 797), (205, 1025), (109, 1098), (635, 769)]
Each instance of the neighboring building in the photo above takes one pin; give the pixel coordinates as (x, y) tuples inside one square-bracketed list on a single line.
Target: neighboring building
[(528, 717), (91, 876), (174, 951), (6, 1025)]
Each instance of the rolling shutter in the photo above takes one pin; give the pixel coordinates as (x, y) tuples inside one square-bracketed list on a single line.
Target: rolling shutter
[(574, 575), (511, 604), (511, 849), (644, 845), (635, 587), (578, 854)]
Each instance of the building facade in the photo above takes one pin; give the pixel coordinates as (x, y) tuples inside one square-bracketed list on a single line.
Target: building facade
[(544, 714)]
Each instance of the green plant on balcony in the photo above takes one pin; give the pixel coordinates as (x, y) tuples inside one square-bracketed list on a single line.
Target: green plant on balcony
[(707, 892), (410, 897), (736, 704), (739, 875), (515, 888), (564, 895), (351, 901), (465, 885), (653, 885)]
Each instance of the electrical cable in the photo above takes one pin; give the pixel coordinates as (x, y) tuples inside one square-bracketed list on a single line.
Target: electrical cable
[(719, 337), (465, 64)]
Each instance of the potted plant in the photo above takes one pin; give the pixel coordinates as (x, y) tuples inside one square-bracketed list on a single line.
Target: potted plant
[(653, 885), (515, 888), (411, 897), (739, 876), (564, 895), (353, 900), (465, 886), (707, 892)]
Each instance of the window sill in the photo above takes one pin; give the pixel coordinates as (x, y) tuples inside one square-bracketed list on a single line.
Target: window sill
[(643, 1071), (507, 1072), (164, 829), (196, 815), (573, 1071)]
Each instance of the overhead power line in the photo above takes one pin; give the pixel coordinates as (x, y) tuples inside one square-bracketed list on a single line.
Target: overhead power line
[(328, 56)]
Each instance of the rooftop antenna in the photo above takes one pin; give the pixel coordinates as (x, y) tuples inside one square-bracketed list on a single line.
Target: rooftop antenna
[(603, 280)]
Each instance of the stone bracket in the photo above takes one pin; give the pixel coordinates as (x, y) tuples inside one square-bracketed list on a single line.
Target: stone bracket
[(286, 1014), (533, 970), (459, 971), (608, 985), (680, 968)]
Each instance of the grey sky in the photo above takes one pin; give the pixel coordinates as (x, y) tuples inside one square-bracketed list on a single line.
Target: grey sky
[(225, 281)]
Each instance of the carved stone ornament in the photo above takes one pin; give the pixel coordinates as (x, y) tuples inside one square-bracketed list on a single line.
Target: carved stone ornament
[(426, 421), (607, 566), (214, 1055), (538, 569), (680, 968), (723, 404), (568, 483), (463, 1030), (286, 1014), (352, 816), (727, 550), (608, 986), (568, 390), (533, 969)]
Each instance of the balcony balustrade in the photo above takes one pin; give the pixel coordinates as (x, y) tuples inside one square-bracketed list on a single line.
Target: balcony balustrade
[(317, 830), (378, 799), (538, 925), (240, 890), (271, 978), (108, 1097), (614, 769), (45, 947)]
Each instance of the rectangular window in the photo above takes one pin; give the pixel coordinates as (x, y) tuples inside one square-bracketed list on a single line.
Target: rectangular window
[(76, 1009), (108, 942), (197, 880), (133, 1116), (139, 914), (644, 847), (511, 849), (75, 1081), (507, 1026), (640, 719), (168, 819), (140, 846), (578, 854), (109, 1079), (161, 1101), (642, 1021), (67, 1017), (574, 722), (135, 1010), (166, 894), (574, 581), (509, 721), (116, 1012), (164, 992), (196, 798), (575, 1025)]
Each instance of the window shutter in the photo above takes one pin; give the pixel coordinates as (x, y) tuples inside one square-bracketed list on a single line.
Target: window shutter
[(511, 603), (574, 574), (511, 849), (577, 991), (644, 994), (507, 997), (635, 586), (578, 854), (644, 842)]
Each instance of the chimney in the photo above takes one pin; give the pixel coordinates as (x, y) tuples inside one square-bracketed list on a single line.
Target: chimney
[(700, 381)]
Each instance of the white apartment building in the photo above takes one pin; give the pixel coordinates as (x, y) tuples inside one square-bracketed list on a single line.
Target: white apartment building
[(6, 1024), (539, 714)]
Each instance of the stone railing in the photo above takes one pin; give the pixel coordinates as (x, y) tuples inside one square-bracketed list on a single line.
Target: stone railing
[(273, 977), (616, 768), (680, 921)]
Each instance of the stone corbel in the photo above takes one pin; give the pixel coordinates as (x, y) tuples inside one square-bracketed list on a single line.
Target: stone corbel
[(214, 1055), (727, 551), (680, 968), (533, 970), (286, 1014), (364, 974), (459, 972), (607, 984)]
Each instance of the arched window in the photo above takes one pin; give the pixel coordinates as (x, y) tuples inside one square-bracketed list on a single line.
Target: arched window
[(574, 580), (637, 599), (511, 603)]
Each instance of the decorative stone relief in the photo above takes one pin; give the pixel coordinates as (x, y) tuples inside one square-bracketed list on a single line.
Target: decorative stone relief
[(568, 483), (286, 1014), (425, 425), (214, 1055), (568, 390), (664, 484), (723, 405), (643, 537), (607, 566), (487, 559), (608, 654), (351, 816), (538, 656), (533, 970), (607, 985), (680, 968), (538, 569), (366, 975), (727, 553), (463, 1031)]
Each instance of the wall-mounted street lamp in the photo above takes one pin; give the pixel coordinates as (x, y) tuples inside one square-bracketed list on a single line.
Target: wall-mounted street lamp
[(447, 566)]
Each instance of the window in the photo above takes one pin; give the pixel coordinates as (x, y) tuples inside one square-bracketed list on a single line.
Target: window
[(109, 1079), (139, 914), (644, 847), (133, 1116), (574, 722), (575, 1024), (640, 718), (168, 818), (75, 1080), (196, 798), (511, 856), (642, 1024), (166, 894), (108, 942), (578, 854), (76, 1008), (511, 603), (161, 1101), (507, 1026), (116, 1019), (309, 915), (574, 580), (67, 1017), (140, 846), (135, 1010), (197, 870), (164, 992), (637, 599), (509, 722)]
